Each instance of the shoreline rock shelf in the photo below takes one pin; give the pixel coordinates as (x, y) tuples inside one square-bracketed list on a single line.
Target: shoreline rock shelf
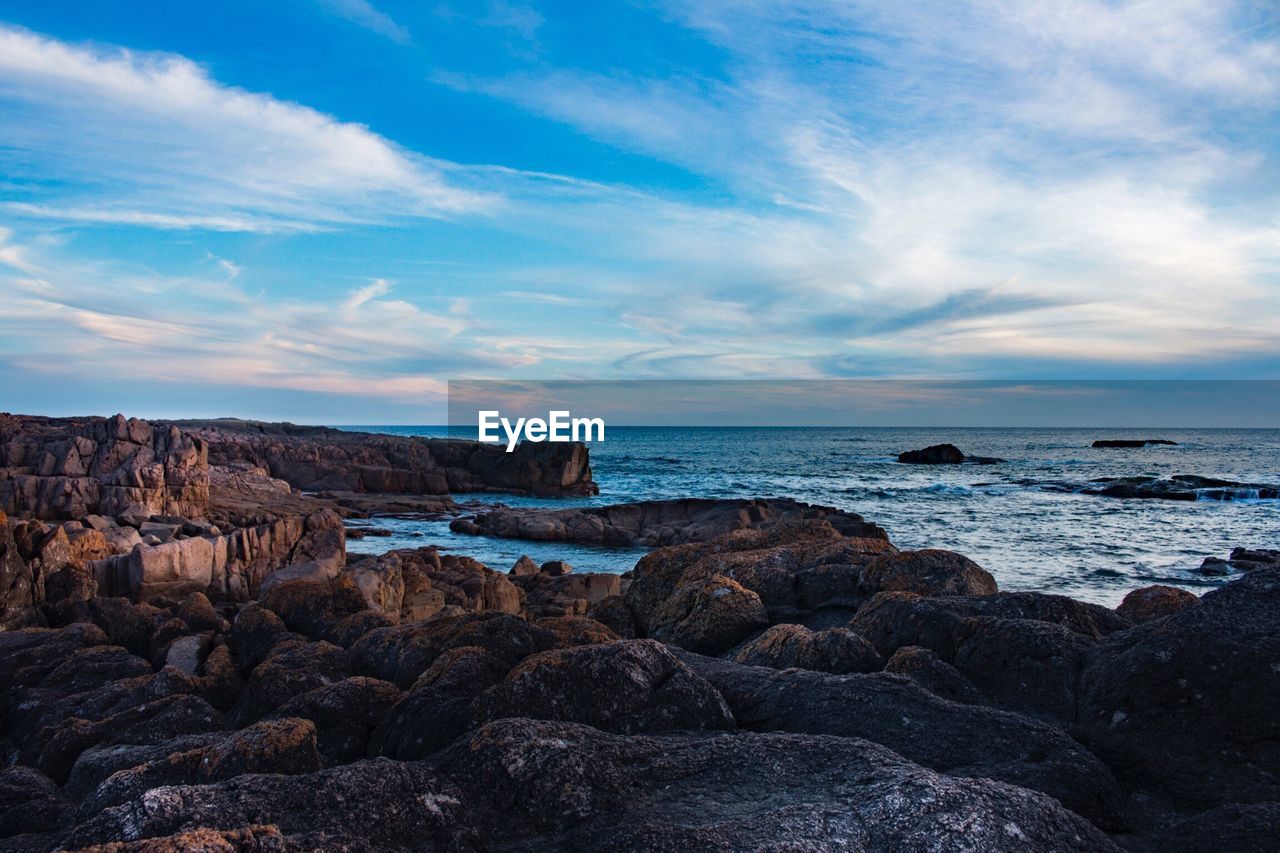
[(771, 674)]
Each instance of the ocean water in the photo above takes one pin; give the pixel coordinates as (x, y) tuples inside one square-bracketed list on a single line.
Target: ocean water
[(1020, 519)]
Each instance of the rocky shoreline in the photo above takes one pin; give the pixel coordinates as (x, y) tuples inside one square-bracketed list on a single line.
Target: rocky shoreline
[(192, 662)]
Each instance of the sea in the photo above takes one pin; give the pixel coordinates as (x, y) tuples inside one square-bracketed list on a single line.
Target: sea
[(1023, 519)]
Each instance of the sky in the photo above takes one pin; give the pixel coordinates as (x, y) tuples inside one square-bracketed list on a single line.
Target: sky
[(324, 210)]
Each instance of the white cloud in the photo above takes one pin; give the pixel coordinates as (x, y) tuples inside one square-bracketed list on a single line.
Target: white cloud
[(363, 13), (153, 140)]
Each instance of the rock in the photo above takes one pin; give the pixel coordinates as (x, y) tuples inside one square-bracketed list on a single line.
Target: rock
[(345, 715), (315, 607), (934, 674), (614, 613), (1187, 705), (895, 712), (654, 523), (576, 631), (1241, 560), (96, 764), (624, 687), (566, 594), (161, 532), (173, 569), (250, 839), (709, 616), (403, 653), (1237, 827), (525, 566), (1180, 487), (563, 786), (1153, 602), (255, 632), (555, 568), (937, 454), (1131, 442), (835, 650), (19, 588), (290, 672), (1215, 567), (186, 653), (319, 458), (927, 572), (30, 802), (68, 468)]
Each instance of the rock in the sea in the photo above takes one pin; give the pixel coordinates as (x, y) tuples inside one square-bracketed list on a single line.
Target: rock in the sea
[(1152, 602), (834, 650), (937, 454), (1131, 442), (1180, 487)]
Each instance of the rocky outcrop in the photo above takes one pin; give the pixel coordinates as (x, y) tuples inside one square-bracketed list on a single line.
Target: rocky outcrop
[(67, 468), (943, 454), (656, 523), (320, 458), (1241, 560), (409, 585)]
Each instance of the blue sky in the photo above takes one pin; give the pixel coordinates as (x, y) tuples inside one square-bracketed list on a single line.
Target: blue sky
[(322, 210)]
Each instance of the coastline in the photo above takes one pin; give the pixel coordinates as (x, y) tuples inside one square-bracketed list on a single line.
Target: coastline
[(182, 616)]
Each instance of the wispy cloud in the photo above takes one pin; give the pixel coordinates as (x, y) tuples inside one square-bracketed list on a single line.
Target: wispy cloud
[(153, 140), (363, 13)]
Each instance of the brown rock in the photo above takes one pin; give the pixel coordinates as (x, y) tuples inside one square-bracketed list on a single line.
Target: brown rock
[(1153, 602), (927, 572), (835, 650)]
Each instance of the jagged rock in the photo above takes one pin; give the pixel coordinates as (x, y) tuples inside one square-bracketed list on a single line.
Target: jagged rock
[(960, 740), (1187, 705), (1152, 602), (709, 616), (345, 714), (403, 653), (933, 673), (19, 593), (625, 687), (68, 468), (835, 650), (654, 523), (927, 572)]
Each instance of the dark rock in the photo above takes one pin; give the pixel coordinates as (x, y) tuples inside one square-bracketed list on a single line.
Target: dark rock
[(614, 612), (1187, 705), (1239, 828), (835, 650), (30, 802), (565, 594), (654, 523), (576, 631), (287, 673), (403, 653), (937, 454), (255, 632), (1153, 602), (927, 572), (96, 764), (708, 616), (895, 712), (564, 786), (315, 607), (625, 687), (345, 714), (1180, 487), (18, 585), (1131, 442), (555, 568), (934, 674), (525, 566)]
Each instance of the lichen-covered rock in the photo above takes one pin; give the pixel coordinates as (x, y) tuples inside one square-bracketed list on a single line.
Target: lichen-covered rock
[(289, 672), (344, 713), (835, 650), (315, 607), (614, 612), (934, 674)]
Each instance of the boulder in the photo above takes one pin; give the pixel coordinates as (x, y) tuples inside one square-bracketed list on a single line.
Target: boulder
[(289, 671), (345, 714), (927, 572), (1187, 705), (835, 650), (1153, 602), (614, 613), (709, 616), (625, 687), (895, 712), (315, 607), (525, 566), (933, 673), (566, 594), (30, 802)]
